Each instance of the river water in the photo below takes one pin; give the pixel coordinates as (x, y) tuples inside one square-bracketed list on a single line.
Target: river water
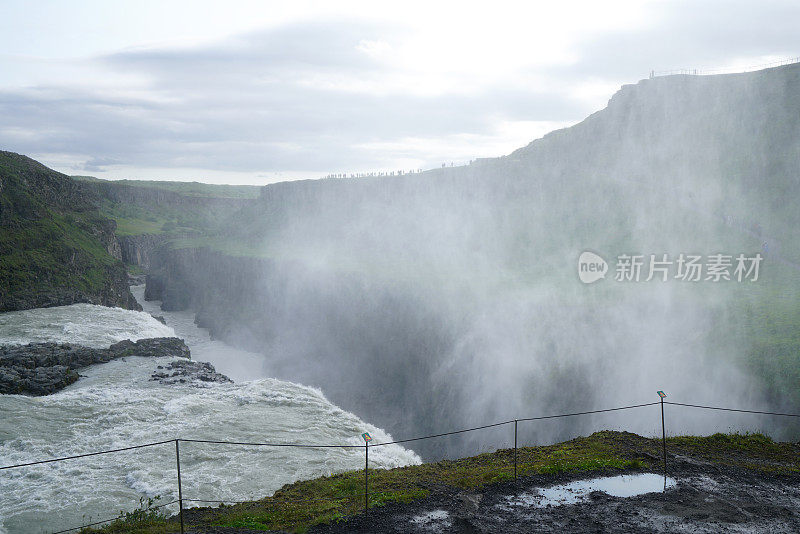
[(117, 404)]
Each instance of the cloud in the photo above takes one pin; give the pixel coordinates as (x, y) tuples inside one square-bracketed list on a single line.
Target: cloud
[(311, 96), (706, 34), (337, 94)]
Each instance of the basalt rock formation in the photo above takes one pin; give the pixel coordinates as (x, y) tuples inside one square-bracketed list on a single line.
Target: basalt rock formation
[(44, 368)]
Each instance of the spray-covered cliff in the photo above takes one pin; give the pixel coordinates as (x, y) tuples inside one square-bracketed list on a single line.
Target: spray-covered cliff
[(450, 298), (55, 248), (149, 214)]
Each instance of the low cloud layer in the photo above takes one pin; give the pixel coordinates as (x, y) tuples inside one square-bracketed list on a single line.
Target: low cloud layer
[(343, 94)]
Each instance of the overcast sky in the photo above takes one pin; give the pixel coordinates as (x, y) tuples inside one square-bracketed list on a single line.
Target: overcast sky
[(257, 92)]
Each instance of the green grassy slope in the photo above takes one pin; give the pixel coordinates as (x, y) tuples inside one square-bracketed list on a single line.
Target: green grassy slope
[(54, 244)]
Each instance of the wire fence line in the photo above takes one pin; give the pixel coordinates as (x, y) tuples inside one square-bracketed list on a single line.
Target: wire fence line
[(732, 409), (268, 444), (95, 524), (510, 421), (366, 446), (325, 445), (97, 453), (728, 70)]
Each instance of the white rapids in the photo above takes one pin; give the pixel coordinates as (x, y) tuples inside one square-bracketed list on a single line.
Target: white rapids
[(116, 405)]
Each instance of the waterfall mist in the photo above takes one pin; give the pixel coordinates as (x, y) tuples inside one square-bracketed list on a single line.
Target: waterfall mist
[(447, 299)]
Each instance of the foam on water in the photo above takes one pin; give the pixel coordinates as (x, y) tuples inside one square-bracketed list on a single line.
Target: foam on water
[(84, 324), (116, 405)]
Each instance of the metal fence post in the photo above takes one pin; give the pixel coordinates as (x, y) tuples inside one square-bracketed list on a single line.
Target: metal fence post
[(515, 451), (366, 477), (663, 436), (180, 491)]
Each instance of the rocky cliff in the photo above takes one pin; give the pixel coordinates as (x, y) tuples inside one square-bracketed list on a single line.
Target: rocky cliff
[(449, 298), (140, 249), (55, 248)]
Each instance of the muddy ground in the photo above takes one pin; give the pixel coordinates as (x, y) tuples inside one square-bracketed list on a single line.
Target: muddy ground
[(705, 498)]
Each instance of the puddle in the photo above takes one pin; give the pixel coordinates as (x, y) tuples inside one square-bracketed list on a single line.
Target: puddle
[(574, 492), (433, 521)]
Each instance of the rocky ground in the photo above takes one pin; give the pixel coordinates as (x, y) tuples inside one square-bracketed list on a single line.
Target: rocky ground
[(707, 498), (44, 368)]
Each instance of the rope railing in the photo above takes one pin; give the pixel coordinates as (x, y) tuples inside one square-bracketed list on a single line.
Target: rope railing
[(366, 448)]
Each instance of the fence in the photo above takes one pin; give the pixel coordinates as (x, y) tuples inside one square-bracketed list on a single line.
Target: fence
[(732, 70), (367, 446)]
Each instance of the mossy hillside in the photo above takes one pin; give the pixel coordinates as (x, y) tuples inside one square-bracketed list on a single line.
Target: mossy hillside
[(59, 250), (296, 507), (54, 245)]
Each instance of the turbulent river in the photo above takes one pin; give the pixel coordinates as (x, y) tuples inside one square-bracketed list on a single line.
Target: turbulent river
[(116, 404)]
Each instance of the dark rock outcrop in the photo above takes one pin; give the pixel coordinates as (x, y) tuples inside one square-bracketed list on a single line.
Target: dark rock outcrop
[(116, 294), (44, 368), (182, 371), (139, 249), (154, 290)]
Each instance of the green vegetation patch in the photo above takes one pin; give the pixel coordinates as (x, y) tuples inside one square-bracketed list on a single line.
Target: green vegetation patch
[(134, 219), (53, 253), (149, 517)]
